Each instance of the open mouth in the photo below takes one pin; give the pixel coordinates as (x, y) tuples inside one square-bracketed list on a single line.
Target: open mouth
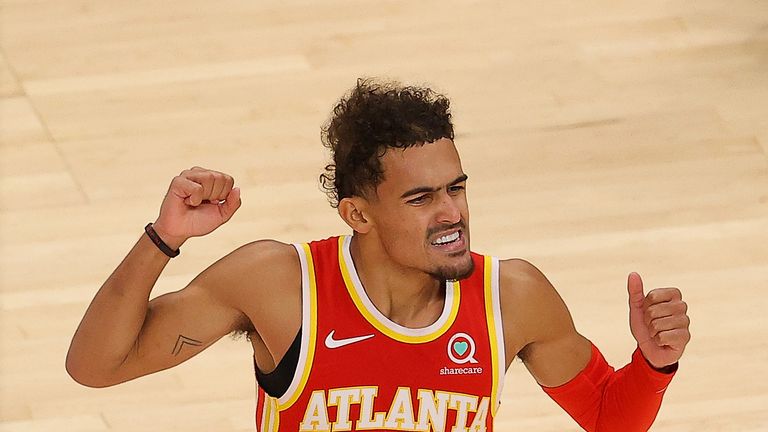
[(446, 239), (450, 242)]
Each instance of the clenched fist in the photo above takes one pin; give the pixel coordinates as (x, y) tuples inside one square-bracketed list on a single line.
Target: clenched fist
[(198, 201), (659, 322)]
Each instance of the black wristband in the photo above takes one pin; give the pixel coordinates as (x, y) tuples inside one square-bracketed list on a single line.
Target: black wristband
[(670, 369), (159, 242)]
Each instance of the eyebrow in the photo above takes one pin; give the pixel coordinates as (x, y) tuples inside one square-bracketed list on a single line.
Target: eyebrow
[(423, 189)]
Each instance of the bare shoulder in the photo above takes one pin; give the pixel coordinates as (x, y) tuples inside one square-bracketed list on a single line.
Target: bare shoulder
[(262, 259), (532, 309), (256, 279), (523, 284), (538, 327)]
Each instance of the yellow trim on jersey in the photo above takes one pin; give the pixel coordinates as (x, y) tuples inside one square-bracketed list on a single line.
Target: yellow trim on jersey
[(272, 419), (488, 287), (312, 333), (267, 414), (382, 327)]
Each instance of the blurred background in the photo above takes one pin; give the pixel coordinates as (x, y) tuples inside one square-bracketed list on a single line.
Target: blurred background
[(600, 137)]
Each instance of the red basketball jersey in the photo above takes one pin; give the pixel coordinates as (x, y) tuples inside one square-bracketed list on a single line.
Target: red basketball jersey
[(358, 370)]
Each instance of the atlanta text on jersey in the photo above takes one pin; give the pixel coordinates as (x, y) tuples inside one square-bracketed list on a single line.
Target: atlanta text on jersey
[(430, 415)]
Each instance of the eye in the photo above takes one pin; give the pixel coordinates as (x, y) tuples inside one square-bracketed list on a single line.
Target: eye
[(418, 200), (456, 188)]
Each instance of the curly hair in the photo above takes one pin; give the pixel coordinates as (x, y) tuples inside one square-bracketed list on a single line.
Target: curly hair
[(372, 118)]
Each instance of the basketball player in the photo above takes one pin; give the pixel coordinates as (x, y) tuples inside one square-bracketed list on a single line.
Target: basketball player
[(398, 326)]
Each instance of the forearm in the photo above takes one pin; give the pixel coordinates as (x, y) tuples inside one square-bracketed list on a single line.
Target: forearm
[(602, 400), (112, 323), (633, 396)]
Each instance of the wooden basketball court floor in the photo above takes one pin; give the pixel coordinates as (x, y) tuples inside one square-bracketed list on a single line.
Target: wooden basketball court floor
[(600, 138)]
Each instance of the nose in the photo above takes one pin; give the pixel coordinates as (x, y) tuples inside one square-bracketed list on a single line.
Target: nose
[(448, 211)]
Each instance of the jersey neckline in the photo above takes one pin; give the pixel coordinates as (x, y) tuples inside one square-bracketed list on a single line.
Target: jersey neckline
[(382, 323)]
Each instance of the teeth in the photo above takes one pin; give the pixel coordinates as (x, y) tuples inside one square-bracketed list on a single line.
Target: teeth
[(447, 239)]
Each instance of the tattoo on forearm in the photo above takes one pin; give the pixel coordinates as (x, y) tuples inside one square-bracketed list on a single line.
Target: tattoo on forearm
[(184, 340)]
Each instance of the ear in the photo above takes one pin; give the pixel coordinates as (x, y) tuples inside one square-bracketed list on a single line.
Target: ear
[(353, 210)]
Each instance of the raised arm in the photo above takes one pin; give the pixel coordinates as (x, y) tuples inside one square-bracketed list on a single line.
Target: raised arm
[(123, 335), (571, 370)]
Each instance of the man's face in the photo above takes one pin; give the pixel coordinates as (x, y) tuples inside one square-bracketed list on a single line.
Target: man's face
[(420, 213)]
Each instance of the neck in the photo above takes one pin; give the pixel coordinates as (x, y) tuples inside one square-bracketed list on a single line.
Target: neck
[(409, 297)]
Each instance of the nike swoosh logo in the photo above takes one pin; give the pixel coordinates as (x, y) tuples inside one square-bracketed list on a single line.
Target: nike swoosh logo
[(332, 343)]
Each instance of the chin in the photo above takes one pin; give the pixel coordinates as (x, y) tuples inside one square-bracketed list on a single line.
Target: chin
[(456, 271)]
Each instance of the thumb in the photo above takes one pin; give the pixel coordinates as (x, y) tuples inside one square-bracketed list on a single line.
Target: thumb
[(635, 290), (231, 204), (637, 325)]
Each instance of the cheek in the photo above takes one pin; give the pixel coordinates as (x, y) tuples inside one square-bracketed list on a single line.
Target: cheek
[(403, 228), (463, 205), (402, 232)]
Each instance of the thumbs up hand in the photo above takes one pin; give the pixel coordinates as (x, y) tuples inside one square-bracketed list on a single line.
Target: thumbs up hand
[(658, 322)]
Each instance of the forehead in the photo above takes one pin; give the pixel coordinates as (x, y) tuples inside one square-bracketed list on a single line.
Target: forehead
[(432, 164)]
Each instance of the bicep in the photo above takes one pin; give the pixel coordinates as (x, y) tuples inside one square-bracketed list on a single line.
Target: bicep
[(181, 324), (178, 326), (551, 348)]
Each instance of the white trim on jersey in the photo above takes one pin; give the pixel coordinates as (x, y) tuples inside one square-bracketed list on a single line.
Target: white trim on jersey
[(395, 327), (305, 326), (499, 339)]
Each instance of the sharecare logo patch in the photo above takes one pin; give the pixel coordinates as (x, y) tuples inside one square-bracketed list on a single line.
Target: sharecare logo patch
[(461, 349)]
